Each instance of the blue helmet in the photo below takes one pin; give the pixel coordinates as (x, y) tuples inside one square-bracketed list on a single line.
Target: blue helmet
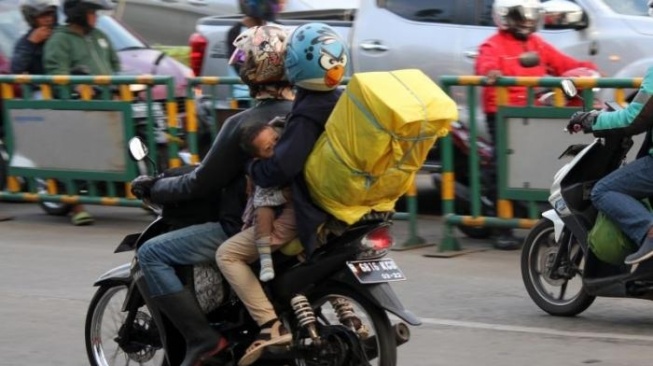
[(316, 57)]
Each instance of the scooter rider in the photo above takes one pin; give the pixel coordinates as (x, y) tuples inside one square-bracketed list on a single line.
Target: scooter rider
[(618, 194), (41, 15), (517, 21), (220, 174)]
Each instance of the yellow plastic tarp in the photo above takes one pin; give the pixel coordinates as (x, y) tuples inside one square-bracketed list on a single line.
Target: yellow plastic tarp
[(376, 139)]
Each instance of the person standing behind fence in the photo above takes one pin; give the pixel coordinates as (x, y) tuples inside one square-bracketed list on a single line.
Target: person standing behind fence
[(41, 15), (80, 45), (517, 21)]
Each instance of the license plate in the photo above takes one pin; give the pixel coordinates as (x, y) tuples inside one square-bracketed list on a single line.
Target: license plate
[(376, 271)]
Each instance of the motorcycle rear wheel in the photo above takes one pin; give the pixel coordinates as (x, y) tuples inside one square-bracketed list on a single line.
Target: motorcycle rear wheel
[(104, 320), (374, 318), (539, 249)]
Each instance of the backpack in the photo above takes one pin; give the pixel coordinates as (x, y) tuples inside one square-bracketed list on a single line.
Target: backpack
[(608, 242), (375, 141)]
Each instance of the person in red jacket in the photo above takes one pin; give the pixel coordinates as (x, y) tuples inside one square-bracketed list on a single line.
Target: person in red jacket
[(499, 55)]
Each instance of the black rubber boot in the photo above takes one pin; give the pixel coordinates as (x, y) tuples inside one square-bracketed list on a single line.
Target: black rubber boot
[(202, 342)]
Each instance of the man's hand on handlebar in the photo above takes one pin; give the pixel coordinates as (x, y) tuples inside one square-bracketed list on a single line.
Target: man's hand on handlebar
[(582, 121), (142, 185)]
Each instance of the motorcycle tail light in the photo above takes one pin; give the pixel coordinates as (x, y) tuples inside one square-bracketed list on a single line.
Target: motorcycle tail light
[(377, 243)]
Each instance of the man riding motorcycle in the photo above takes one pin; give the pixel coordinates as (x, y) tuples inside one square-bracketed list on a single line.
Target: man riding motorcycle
[(619, 194), (219, 177)]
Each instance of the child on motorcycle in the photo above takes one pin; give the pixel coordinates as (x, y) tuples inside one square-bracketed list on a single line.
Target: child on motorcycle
[(269, 211), (499, 55), (316, 60)]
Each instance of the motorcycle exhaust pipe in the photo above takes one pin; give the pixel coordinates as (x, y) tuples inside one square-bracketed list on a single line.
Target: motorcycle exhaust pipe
[(402, 335)]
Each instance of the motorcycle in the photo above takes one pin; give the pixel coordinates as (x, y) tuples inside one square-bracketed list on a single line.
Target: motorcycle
[(557, 255), (307, 295), (460, 136)]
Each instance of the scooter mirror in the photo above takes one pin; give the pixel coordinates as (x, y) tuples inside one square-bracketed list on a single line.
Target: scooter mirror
[(137, 148), (529, 59), (569, 88)]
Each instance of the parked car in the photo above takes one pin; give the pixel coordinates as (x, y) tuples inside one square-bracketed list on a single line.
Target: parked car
[(136, 56)]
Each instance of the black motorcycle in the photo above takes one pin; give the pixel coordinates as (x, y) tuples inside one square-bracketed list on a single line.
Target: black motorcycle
[(307, 295), (561, 272)]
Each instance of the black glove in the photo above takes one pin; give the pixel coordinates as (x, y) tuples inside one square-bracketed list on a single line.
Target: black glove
[(142, 185), (582, 121)]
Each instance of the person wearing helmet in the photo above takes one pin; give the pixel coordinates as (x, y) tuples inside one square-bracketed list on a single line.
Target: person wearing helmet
[(256, 13), (219, 177), (499, 55), (79, 44), (41, 15), (316, 62), (619, 194)]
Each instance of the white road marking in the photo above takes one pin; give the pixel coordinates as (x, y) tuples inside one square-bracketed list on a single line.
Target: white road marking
[(536, 330)]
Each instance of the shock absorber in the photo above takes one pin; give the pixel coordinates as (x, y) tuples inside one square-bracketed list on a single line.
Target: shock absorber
[(305, 315), (347, 317), (343, 308)]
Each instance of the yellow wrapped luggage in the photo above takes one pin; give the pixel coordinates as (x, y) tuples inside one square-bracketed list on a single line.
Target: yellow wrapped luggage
[(376, 139)]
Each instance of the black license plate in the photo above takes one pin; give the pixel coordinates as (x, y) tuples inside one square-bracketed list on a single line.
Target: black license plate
[(376, 271)]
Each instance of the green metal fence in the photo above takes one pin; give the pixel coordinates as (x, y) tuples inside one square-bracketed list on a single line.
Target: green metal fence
[(67, 136), (507, 118)]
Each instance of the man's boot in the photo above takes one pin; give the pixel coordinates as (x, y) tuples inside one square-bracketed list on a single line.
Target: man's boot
[(202, 342)]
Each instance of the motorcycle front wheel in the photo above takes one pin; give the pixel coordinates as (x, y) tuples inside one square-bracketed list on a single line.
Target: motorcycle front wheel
[(112, 342), (378, 339), (558, 291)]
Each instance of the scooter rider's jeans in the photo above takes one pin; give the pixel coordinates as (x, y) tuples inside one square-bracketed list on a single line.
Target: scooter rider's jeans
[(187, 246), (619, 196)]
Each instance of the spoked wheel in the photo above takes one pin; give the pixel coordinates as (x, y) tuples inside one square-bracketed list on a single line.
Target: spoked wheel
[(112, 342), (371, 341), (556, 289)]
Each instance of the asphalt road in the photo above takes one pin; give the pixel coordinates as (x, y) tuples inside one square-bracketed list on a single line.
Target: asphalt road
[(474, 307)]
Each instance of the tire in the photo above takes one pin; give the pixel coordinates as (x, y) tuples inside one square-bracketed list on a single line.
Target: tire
[(102, 348), (52, 208), (370, 314), (541, 238)]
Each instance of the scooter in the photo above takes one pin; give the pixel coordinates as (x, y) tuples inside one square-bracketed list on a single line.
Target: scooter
[(560, 271)]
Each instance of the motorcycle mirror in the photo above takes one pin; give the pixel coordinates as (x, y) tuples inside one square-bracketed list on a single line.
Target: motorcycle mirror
[(529, 59), (137, 148), (569, 88)]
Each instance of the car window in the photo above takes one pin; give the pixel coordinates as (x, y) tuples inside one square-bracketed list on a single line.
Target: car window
[(628, 7), (433, 11), (120, 37)]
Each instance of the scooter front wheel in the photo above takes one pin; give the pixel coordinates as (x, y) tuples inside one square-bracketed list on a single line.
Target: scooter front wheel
[(556, 289)]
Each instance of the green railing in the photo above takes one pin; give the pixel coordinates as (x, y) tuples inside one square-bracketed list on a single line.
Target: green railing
[(67, 135), (508, 117)]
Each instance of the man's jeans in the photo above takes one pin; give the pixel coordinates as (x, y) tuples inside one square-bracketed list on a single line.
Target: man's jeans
[(618, 195), (190, 245)]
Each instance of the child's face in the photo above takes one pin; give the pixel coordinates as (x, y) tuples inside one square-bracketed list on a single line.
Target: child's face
[(265, 142)]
